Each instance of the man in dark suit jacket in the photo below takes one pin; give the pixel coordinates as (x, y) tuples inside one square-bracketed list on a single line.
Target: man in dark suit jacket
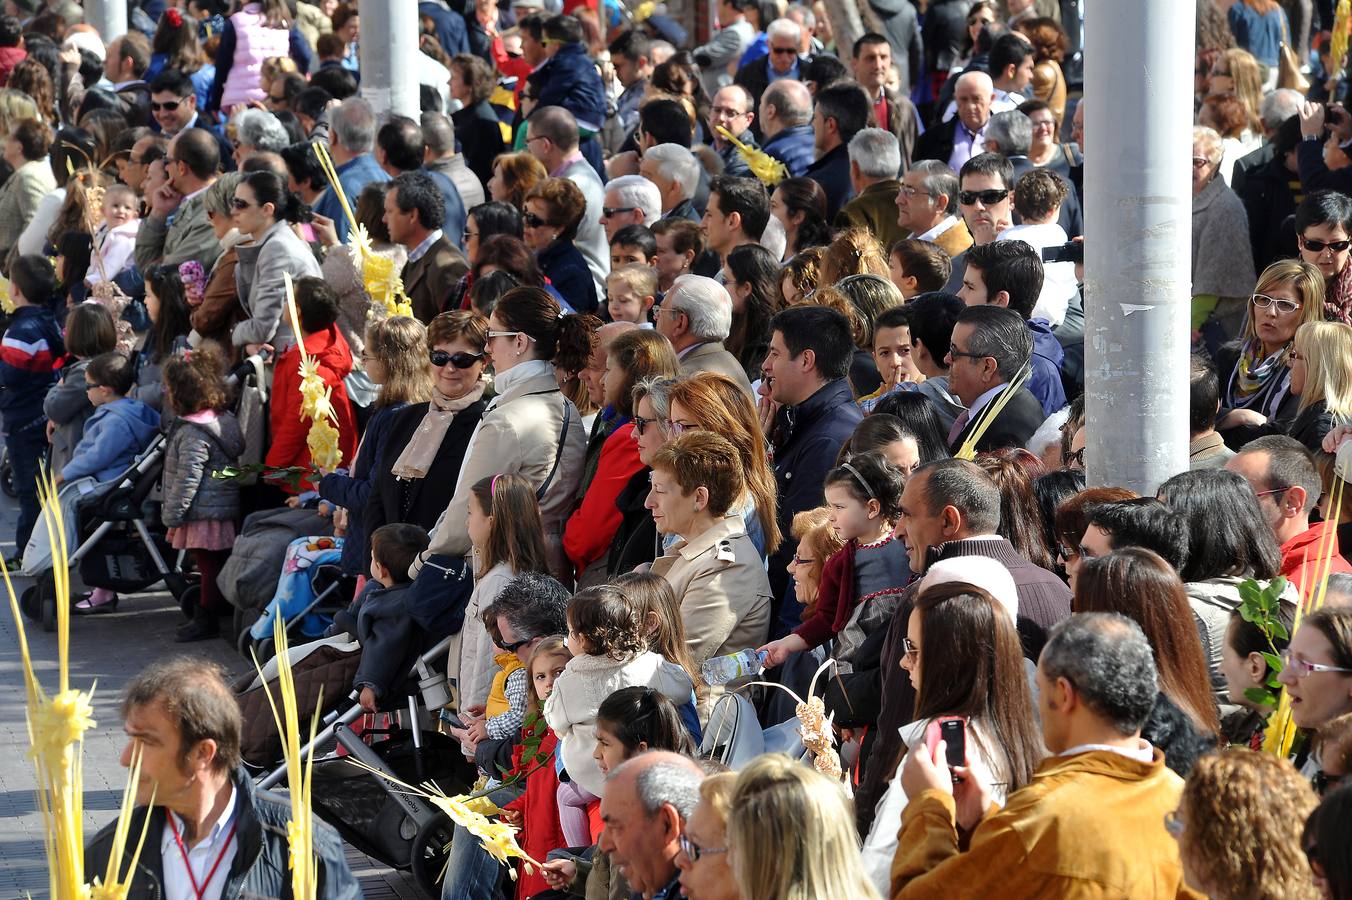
[(842, 112), (782, 60), (990, 346), (414, 213)]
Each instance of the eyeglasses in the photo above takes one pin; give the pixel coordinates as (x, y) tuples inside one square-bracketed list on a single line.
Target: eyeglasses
[(497, 334), (90, 386), (987, 198), (470, 234), (1283, 307), (1200, 162), (281, 99), (1320, 246), (1066, 552), (238, 203), (1173, 824), (169, 106), (693, 851), (908, 192), (1302, 668), (641, 423), (608, 211), (461, 360), (534, 221), (1280, 490), (1322, 781), (1293, 355), (955, 353), (516, 645), (1221, 73), (784, 51), (676, 428), (728, 111), (799, 561), (912, 651)]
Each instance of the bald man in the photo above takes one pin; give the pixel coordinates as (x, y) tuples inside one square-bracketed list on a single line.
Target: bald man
[(785, 117), (645, 807), (963, 136)]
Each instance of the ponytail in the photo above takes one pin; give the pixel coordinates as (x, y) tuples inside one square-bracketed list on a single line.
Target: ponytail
[(269, 187), (534, 312)]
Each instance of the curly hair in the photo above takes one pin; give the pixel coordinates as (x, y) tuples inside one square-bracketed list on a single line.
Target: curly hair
[(609, 621), (803, 271), (565, 202), (477, 74), (1049, 40), (1243, 814), (855, 251)]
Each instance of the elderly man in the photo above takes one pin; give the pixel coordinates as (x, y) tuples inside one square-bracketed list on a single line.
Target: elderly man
[(258, 131), (696, 316), (990, 346), (927, 206), (784, 42), (186, 723), (440, 158), (963, 136), (785, 117), (1102, 783), (352, 135), (734, 109), (645, 807), (552, 137), (630, 200), (875, 157), (675, 171)]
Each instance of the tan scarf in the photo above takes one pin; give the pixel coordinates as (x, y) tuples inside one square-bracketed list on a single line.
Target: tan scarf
[(421, 451)]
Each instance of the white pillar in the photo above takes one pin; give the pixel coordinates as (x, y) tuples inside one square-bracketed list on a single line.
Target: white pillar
[(109, 17), (1138, 232), (389, 56)]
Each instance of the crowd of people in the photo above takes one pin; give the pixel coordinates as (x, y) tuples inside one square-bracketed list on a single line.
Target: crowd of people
[(727, 355)]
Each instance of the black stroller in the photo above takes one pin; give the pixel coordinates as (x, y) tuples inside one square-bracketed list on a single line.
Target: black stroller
[(121, 543)]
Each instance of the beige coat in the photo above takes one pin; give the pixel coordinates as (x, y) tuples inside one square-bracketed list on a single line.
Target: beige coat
[(720, 581), (519, 434), (19, 200), (714, 357)]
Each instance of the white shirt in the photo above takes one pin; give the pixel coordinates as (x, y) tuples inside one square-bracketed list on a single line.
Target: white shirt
[(1058, 282), (177, 883), (420, 251), (946, 223), (1142, 752)]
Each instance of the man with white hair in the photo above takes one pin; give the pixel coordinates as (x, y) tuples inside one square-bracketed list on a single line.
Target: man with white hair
[(675, 172), (629, 200), (553, 138), (927, 207), (696, 316), (964, 135), (352, 135), (875, 156), (785, 117), (783, 59), (647, 801)]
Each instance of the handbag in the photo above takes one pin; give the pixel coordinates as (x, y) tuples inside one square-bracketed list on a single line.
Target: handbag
[(1288, 65)]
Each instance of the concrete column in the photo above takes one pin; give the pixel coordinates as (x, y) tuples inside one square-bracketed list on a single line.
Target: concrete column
[(109, 17), (389, 56), (1138, 200)]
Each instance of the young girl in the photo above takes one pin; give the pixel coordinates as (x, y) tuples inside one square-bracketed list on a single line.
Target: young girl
[(864, 496), (256, 32), (200, 510), (536, 811), (167, 306), (508, 540), (666, 635), (89, 333), (608, 636), (628, 722)]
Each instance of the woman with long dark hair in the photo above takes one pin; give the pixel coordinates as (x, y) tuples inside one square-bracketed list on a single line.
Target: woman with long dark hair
[(800, 206), (751, 276), (1020, 516), (484, 221), (920, 417), (264, 210), (964, 659)]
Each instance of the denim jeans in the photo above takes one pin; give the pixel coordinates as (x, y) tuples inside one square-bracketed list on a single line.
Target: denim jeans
[(471, 874), (26, 445)]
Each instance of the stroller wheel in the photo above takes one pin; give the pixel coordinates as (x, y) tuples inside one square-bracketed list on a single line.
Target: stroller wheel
[(427, 856), (30, 603), (47, 601), (7, 478), (189, 599)]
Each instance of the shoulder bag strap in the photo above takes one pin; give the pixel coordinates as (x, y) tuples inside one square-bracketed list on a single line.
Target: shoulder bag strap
[(558, 455)]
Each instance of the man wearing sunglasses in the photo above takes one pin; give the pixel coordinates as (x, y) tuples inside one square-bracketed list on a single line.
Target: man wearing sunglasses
[(173, 109)]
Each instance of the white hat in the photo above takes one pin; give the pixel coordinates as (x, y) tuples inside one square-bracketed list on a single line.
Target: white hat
[(979, 571), (86, 40)]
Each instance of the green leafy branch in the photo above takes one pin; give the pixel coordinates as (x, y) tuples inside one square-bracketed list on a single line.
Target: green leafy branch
[(297, 478), (1260, 606)]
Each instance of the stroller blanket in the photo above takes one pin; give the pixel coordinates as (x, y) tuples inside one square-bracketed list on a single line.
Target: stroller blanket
[(37, 555), (248, 581), (294, 588)]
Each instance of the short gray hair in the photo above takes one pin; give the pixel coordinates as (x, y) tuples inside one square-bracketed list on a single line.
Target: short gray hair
[(877, 153), (663, 783), (1279, 106), (1000, 333), (1339, 582), (438, 133), (217, 198), (640, 193), (557, 124), (354, 125), (657, 388), (809, 18), (261, 130), (1013, 131), (1209, 141), (784, 28), (678, 164), (705, 302), (791, 100), (939, 179), (1107, 659)]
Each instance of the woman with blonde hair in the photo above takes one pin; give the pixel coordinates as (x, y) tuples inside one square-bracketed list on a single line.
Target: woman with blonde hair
[(703, 860), (855, 251), (1321, 376), (514, 176), (1237, 70), (791, 835), (1254, 376), (1239, 825)]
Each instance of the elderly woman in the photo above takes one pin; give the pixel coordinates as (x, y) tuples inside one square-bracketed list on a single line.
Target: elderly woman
[(26, 151), (632, 356), (1255, 377), (1222, 257), (717, 575), (1046, 150), (514, 176), (215, 306), (415, 484), (553, 212), (703, 859), (477, 126), (636, 542)]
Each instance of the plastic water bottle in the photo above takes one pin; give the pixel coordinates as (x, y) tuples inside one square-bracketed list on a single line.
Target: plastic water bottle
[(722, 669)]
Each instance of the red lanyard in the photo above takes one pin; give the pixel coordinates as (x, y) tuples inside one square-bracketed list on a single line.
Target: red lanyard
[(200, 892)]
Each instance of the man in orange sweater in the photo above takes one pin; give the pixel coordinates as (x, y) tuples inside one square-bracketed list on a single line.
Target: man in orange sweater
[(1091, 823)]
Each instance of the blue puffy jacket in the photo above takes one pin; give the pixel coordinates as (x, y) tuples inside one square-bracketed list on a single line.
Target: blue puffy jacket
[(29, 355), (795, 147), (569, 79), (112, 437)]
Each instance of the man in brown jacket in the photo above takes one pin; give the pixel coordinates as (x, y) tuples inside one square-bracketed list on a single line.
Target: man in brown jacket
[(414, 213), (1091, 823), (874, 160)]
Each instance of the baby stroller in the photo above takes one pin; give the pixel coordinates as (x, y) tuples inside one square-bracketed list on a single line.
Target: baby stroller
[(378, 818), (121, 543)]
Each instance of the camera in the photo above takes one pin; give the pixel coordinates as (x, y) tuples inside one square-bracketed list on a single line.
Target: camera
[(1070, 251)]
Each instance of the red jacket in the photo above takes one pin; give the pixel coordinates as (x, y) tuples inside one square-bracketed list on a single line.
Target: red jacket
[(9, 58), (289, 431), (539, 808), (592, 526), (836, 600), (1301, 562)]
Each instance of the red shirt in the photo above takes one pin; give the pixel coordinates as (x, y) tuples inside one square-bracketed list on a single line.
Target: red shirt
[(1301, 560)]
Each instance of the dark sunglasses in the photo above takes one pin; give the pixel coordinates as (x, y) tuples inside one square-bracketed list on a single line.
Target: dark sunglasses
[(1322, 782), (989, 198), (170, 106), (534, 221), (516, 645), (1320, 246), (460, 360), (784, 51), (641, 423), (237, 203), (608, 211)]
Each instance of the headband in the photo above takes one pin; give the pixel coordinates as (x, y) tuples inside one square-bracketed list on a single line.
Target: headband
[(493, 485), (860, 478)]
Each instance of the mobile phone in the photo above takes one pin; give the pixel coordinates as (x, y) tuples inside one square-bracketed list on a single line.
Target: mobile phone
[(952, 730), (1070, 251)]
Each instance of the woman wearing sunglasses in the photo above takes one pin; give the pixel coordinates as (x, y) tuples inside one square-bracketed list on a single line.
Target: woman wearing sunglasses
[(1254, 375), (1324, 235), (1321, 376), (553, 212), (428, 440), (263, 210)]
